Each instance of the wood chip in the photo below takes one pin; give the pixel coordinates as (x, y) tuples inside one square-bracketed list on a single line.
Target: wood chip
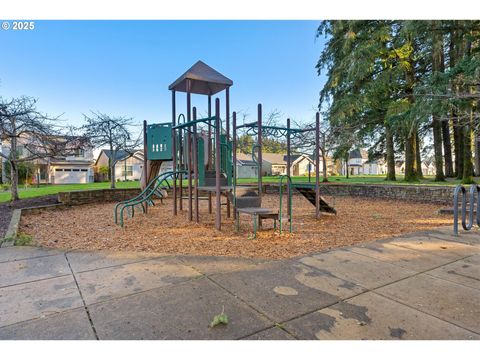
[(91, 227)]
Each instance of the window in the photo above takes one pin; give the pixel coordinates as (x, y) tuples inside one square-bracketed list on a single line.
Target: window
[(127, 170), (76, 169), (79, 152), (58, 169), (84, 170)]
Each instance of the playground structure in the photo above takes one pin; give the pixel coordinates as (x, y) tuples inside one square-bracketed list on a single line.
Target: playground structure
[(203, 153)]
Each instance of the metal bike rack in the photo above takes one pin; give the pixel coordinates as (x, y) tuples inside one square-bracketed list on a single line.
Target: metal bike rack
[(474, 191)]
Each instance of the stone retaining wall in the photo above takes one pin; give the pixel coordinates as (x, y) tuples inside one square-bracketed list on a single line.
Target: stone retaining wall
[(429, 194), (101, 195)]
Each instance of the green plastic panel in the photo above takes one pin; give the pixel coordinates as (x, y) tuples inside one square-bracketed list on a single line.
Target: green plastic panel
[(159, 141)]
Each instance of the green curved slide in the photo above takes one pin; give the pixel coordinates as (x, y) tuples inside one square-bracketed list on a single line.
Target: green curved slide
[(145, 198)]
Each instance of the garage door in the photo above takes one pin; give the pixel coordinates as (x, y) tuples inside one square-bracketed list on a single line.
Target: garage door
[(71, 176)]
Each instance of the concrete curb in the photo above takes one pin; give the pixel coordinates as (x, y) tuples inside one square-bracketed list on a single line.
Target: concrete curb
[(12, 231)]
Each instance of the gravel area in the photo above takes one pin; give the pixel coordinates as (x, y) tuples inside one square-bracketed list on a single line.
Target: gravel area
[(6, 209), (358, 220)]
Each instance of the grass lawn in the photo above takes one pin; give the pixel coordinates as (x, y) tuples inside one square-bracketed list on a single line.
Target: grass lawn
[(361, 179), (364, 179), (33, 191)]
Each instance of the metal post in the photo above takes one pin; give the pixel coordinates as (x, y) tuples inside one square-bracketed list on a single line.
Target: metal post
[(259, 142), (209, 147), (195, 166), (289, 162), (234, 150), (227, 131), (145, 160), (174, 153), (317, 165), (218, 201), (189, 154)]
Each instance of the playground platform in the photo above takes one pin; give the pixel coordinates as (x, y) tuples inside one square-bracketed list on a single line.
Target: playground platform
[(418, 286)]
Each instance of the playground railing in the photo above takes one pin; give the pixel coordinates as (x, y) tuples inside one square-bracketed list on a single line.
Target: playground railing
[(474, 192)]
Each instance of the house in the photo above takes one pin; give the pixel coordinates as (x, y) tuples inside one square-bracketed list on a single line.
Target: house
[(276, 164), (246, 169), (247, 160), (428, 168), (359, 164), (74, 168), (128, 167)]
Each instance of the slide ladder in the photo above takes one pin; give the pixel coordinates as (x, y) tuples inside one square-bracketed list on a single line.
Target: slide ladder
[(156, 188)]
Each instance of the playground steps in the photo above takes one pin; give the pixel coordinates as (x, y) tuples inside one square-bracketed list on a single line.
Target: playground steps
[(246, 197), (210, 178), (309, 194)]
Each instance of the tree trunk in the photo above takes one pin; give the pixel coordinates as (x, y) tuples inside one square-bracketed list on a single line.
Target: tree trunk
[(437, 67), (346, 167), (467, 154), (458, 147), (324, 160), (447, 149), (390, 154), (418, 157), (13, 167), (14, 180), (477, 153), (437, 147), (410, 157), (113, 154)]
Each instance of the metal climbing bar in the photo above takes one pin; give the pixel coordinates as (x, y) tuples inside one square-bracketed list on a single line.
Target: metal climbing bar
[(474, 192), (190, 123), (145, 197)]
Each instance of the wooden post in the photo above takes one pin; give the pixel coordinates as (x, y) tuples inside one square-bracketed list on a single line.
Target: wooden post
[(289, 162), (209, 147), (218, 210), (317, 165), (227, 131), (259, 142), (174, 153), (195, 166), (189, 154), (145, 160), (234, 150)]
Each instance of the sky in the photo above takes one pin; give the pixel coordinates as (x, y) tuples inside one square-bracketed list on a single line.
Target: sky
[(125, 67)]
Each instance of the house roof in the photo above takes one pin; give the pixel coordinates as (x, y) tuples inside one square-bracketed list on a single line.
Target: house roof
[(358, 154), (120, 154), (71, 162), (246, 162), (204, 80), (274, 159)]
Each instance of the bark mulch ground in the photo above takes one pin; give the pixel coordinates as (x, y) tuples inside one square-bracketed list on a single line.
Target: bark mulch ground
[(6, 209), (359, 220)]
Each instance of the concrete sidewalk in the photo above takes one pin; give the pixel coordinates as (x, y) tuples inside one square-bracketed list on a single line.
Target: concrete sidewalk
[(421, 286)]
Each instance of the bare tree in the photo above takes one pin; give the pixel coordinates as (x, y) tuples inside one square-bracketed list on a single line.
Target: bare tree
[(23, 127), (305, 143), (113, 132)]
